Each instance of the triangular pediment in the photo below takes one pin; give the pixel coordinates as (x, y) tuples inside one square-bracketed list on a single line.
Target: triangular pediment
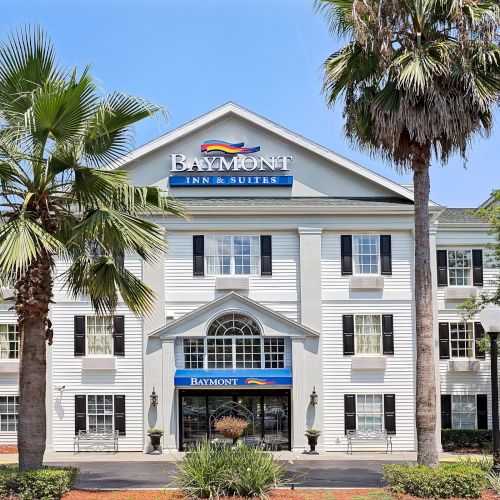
[(196, 322), (315, 170)]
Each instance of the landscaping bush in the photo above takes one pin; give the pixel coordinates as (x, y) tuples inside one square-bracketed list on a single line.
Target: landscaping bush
[(465, 438), (444, 481), (48, 483), (211, 470)]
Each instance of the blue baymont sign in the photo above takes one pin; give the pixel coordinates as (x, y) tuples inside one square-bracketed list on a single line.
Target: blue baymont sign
[(240, 180), (231, 378)]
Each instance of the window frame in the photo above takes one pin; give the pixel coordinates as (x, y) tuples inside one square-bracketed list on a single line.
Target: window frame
[(355, 270), (473, 341), (16, 406), (16, 342), (382, 414), (474, 398), (448, 267), (88, 352), (381, 344), (232, 264), (88, 414)]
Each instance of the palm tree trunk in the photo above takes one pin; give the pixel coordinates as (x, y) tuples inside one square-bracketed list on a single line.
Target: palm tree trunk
[(425, 369), (34, 293)]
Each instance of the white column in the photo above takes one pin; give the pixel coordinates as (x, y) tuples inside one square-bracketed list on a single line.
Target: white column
[(299, 395), (310, 277), (168, 399)]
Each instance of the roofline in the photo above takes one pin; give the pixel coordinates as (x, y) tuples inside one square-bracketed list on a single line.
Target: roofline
[(232, 108), (160, 332)]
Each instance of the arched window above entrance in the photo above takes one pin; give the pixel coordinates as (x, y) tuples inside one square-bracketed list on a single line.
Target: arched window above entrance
[(229, 325)]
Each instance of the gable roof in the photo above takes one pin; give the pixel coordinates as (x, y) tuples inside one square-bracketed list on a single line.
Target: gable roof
[(232, 109), (166, 330)]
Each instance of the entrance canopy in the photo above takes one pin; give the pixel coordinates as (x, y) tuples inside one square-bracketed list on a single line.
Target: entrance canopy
[(233, 378)]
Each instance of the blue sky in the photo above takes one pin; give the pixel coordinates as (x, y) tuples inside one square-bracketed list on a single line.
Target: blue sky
[(194, 55)]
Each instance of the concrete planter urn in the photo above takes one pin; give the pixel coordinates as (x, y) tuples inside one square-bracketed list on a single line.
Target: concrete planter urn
[(312, 440), (155, 439)]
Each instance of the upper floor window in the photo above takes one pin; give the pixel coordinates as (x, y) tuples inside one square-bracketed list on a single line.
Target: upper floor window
[(234, 341), (368, 333), (369, 411), (232, 255), (459, 267), (9, 341), (462, 340), (9, 407), (366, 254), (99, 335)]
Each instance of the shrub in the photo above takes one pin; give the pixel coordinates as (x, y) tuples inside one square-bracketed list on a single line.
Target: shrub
[(465, 438), (483, 462), (445, 481), (213, 470), (155, 432), (48, 483), (231, 427), (494, 481)]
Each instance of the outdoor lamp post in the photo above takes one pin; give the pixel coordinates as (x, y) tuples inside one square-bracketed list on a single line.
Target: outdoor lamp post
[(490, 319)]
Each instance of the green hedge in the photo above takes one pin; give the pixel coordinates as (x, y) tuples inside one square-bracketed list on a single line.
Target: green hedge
[(465, 438), (445, 481), (48, 483)]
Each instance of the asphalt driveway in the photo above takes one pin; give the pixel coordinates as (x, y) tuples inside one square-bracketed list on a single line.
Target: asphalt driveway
[(317, 474)]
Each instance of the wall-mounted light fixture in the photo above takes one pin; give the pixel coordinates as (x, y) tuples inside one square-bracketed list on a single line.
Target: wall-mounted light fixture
[(153, 398), (314, 397)]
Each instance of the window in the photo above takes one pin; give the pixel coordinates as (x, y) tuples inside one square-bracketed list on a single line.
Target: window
[(368, 333), (459, 267), (100, 413), (366, 254), (234, 341), (369, 411), (9, 406), (463, 412), (9, 341), (99, 335), (232, 255), (462, 340), (193, 353)]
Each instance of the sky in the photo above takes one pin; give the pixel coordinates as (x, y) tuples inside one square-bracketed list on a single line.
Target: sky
[(192, 56)]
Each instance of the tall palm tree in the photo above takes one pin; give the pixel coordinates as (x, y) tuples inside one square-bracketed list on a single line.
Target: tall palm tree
[(417, 78), (59, 201)]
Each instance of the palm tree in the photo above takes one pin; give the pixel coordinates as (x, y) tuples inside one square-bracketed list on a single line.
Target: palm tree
[(417, 78), (59, 201)]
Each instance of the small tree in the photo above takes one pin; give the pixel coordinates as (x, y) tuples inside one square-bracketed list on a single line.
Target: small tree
[(58, 200)]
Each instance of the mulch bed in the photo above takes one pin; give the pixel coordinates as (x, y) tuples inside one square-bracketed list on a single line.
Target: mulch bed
[(8, 449), (361, 494)]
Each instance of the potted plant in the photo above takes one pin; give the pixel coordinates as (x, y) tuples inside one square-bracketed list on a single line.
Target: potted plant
[(312, 440), (231, 427), (155, 437)]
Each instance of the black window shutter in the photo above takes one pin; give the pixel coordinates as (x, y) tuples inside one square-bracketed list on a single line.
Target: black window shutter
[(266, 255), (346, 254), (79, 336), (120, 415), (349, 412), (119, 335), (479, 331), (198, 255), (445, 411), (80, 413), (387, 334), (385, 255), (482, 411), (477, 267), (444, 341), (390, 413), (442, 267), (348, 333)]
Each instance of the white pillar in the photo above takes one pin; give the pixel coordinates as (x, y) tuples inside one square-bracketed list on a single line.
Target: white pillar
[(310, 277), (168, 401), (299, 396)]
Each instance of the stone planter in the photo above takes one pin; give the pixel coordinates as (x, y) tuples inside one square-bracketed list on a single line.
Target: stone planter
[(312, 441), (155, 440)]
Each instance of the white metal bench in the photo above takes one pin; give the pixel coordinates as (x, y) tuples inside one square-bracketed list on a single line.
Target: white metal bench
[(98, 437), (368, 435)]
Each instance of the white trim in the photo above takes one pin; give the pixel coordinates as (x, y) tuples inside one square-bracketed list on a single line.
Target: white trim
[(234, 109)]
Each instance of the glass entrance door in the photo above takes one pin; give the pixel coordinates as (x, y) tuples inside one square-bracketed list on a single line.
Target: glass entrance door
[(267, 412)]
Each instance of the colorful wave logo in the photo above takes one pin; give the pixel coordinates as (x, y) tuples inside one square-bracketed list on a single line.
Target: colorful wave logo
[(227, 148), (258, 381)]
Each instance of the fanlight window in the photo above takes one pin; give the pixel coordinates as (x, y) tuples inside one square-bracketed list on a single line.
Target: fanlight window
[(233, 324)]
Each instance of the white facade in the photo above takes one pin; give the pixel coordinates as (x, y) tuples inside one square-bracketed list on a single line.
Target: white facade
[(301, 302)]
